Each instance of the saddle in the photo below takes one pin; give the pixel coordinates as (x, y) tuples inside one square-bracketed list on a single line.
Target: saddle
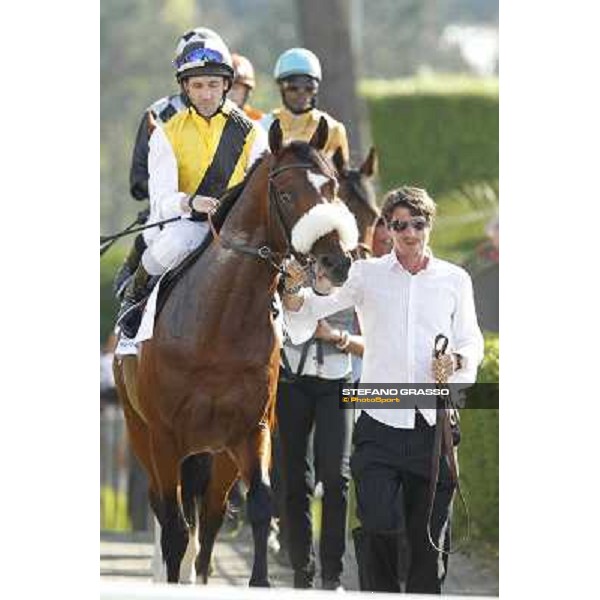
[(170, 279)]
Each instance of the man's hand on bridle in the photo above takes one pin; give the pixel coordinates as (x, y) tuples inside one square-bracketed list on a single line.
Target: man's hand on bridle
[(296, 276)]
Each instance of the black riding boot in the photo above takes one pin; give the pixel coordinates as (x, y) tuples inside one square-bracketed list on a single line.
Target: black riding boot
[(377, 559), (129, 266), (136, 293)]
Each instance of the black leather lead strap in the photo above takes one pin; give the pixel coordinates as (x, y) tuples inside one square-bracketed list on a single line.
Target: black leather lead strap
[(443, 447), (320, 353), (303, 355), (229, 150)]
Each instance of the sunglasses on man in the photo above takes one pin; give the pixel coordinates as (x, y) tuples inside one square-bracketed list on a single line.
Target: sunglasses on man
[(417, 223), (296, 89)]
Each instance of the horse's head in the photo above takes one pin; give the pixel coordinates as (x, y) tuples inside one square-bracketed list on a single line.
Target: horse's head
[(357, 191), (304, 196)]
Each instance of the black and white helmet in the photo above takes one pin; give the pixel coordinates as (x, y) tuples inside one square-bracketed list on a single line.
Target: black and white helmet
[(201, 51)]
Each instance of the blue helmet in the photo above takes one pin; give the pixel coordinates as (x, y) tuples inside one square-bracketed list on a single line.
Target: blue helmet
[(297, 61)]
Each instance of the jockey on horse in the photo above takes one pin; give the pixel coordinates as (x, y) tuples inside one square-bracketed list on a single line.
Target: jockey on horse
[(244, 82), (198, 153), (298, 74), (159, 111)]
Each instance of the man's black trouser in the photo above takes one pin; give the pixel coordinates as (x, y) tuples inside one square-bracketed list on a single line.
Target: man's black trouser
[(301, 405), (384, 459)]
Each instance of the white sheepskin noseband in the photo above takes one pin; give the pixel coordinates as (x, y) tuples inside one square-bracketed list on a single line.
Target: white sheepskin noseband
[(321, 220)]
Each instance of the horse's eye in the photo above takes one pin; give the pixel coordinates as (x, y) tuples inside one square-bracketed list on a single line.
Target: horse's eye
[(285, 196)]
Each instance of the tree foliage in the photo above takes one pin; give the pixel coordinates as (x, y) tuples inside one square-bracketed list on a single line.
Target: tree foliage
[(138, 37)]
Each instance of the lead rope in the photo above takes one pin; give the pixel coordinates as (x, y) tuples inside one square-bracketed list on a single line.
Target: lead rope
[(443, 434)]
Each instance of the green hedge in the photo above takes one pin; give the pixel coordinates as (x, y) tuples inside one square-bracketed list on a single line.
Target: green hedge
[(461, 221), (439, 133), (478, 456), (109, 263)]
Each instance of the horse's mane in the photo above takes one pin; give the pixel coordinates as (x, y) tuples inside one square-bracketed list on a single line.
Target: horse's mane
[(304, 151), (229, 197), (227, 201)]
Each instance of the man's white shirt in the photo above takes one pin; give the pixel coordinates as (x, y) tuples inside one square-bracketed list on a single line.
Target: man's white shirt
[(400, 315)]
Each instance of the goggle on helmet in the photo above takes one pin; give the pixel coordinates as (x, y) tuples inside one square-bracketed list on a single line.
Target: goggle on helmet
[(203, 53)]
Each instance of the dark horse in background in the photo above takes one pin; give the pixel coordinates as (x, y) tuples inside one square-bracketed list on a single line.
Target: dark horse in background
[(206, 382), (357, 191)]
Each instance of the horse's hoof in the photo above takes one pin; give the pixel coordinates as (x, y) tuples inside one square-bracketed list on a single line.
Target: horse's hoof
[(259, 583)]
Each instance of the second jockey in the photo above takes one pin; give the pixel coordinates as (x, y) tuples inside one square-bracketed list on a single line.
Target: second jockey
[(298, 74)]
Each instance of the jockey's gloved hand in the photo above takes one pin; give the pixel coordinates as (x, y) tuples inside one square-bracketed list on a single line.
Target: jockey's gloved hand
[(201, 206)]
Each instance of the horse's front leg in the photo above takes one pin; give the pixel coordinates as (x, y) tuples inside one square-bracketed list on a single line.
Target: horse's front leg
[(174, 529), (253, 457), (214, 504), (195, 475)]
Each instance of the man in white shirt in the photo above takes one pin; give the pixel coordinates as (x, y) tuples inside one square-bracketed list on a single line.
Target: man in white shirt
[(403, 300)]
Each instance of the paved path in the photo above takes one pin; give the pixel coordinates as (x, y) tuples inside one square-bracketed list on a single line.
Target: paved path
[(128, 556)]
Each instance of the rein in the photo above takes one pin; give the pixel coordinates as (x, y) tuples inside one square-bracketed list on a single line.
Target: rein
[(443, 437), (265, 252)]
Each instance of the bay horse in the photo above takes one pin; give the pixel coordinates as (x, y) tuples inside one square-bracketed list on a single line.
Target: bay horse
[(357, 191), (205, 382)]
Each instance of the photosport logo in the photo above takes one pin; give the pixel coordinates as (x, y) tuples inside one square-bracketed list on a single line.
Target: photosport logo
[(417, 395)]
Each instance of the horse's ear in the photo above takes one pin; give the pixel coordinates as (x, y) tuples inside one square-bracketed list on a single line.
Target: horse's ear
[(370, 166), (275, 137), (319, 138), (338, 160)]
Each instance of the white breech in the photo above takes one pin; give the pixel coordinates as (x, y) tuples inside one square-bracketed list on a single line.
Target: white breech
[(172, 244)]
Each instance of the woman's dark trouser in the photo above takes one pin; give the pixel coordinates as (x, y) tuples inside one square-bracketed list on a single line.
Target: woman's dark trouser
[(301, 405), (385, 458)]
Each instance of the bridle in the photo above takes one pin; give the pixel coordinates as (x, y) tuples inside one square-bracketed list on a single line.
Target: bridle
[(276, 198)]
